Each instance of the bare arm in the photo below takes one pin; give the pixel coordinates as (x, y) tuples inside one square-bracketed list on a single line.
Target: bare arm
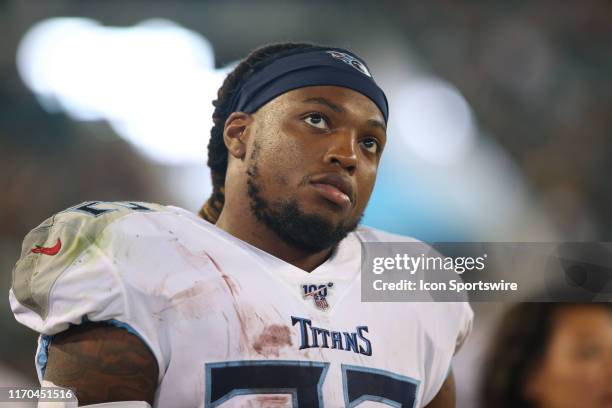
[(446, 396), (103, 363)]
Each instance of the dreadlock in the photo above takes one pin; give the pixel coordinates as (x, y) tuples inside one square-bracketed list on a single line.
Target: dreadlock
[(217, 151)]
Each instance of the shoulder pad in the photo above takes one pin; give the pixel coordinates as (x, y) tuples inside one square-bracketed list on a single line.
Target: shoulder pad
[(54, 245), (369, 234)]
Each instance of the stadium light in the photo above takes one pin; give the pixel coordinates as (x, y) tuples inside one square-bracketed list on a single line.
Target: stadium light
[(437, 123), (153, 82)]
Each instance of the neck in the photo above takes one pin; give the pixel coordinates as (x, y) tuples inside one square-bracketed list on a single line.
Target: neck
[(244, 226)]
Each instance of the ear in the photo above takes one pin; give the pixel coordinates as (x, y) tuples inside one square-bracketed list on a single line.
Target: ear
[(235, 133)]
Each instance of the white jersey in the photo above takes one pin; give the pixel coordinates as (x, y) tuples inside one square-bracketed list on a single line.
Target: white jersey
[(229, 324)]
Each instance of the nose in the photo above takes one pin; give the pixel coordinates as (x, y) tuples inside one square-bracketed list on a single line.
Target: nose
[(343, 150)]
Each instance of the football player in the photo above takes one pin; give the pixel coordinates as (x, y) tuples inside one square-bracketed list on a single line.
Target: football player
[(256, 302)]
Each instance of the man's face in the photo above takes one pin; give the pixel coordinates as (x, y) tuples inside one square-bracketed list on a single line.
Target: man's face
[(312, 162)]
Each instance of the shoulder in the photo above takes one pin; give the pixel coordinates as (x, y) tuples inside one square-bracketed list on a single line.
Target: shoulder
[(376, 243), (447, 320), (111, 262), (74, 228), (68, 233), (82, 240), (369, 234)]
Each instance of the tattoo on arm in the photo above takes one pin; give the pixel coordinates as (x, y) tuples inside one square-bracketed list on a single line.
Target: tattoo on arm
[(103, 363)]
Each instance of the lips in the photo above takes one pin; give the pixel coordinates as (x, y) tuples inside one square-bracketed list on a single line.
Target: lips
[(335, 188)]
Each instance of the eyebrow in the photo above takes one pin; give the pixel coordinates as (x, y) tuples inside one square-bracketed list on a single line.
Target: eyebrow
[(323, 101), (339, 109), (377, 123)]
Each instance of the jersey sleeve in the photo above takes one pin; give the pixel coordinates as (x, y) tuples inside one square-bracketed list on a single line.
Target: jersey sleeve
[(466, 322), (66, 277), (448, 325)]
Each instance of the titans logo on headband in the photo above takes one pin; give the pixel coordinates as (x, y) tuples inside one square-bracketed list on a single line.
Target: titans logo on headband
[(350, 60)]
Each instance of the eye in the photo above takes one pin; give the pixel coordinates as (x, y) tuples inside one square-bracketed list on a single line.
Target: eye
[(588, 352), (316, 120), (371, 144)]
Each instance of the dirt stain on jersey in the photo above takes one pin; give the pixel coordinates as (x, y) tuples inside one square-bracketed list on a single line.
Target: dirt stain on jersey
[(272, 339), (193, 291), (233, 288), (229, 282), (197, 260), (191, 303), (230, 285)]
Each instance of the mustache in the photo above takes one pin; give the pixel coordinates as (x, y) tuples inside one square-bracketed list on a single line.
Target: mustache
[(305, 181)]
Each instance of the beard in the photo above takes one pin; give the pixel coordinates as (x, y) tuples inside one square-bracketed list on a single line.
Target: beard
[(308, 232)]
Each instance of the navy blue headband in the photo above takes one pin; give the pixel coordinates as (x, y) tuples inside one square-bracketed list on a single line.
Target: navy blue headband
[(311, 68)]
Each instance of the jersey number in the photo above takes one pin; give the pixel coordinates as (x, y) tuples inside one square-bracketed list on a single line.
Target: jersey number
[(303, 380), (92, 207)]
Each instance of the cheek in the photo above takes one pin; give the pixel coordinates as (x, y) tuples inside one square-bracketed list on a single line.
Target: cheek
[(566, 382), (365, 184), (279, 164)]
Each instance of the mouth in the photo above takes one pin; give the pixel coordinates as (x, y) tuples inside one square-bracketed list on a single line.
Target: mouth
[(334, 188)]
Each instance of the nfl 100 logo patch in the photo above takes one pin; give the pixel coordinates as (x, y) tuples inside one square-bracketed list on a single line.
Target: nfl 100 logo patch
[(318, 293)]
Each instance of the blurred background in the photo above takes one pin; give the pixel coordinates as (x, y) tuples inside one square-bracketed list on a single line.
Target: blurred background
[(500, 117)]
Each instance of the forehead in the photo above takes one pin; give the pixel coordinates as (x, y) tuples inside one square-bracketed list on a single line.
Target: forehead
[(584, 320), (350, 101)]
